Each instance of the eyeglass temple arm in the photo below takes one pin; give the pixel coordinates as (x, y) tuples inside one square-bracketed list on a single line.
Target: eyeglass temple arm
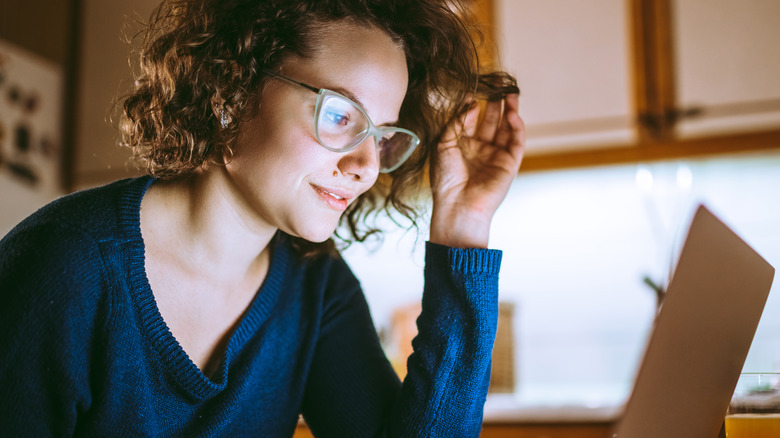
[(292, 81)]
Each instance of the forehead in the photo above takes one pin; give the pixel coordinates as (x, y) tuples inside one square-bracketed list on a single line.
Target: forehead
[(360, 61)]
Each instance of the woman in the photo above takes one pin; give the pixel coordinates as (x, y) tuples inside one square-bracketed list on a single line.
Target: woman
[(207, 299)]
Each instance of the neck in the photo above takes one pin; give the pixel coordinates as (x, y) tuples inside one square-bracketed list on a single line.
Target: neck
[(203, 224)]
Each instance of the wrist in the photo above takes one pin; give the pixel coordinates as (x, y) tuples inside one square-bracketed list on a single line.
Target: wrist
[(459, 229)]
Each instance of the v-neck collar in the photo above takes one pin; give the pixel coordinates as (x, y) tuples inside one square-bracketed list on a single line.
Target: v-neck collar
[(176, 361)]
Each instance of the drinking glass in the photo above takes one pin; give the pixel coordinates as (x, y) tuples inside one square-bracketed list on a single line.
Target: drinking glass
[(754, 411)]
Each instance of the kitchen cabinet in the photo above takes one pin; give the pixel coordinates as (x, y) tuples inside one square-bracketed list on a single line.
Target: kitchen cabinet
[(609, 81), (727, 65), (572, 62)]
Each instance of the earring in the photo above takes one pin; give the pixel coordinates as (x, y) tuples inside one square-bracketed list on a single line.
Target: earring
[(223, 119)]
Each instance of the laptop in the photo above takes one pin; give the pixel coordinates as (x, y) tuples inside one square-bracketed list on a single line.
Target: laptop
[(701, 336)]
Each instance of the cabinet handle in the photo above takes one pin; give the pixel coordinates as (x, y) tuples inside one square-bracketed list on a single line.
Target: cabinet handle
[(659, 123)]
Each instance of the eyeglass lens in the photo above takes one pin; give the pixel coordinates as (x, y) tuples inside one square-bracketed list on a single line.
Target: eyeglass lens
[(394, 148), (341, 125)]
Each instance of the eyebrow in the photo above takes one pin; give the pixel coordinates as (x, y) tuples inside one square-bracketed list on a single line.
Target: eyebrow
[(351, 96), (343, 91), (348, 94)]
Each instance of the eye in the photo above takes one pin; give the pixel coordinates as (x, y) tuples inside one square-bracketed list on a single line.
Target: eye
[(335, 117)]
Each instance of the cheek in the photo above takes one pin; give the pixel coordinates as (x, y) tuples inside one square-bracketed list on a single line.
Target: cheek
[(281, 141), (278, 152)]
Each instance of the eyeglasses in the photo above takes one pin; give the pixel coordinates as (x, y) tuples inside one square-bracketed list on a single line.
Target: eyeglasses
[(341, 124)]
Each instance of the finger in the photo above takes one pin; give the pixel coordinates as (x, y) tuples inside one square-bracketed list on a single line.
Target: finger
[(512, 134), (517, 122), (512, 102), (516, 146), (505, 130), (470, 120), (490, 122)]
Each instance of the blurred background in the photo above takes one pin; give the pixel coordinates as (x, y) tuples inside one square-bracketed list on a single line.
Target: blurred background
[(637, 111)]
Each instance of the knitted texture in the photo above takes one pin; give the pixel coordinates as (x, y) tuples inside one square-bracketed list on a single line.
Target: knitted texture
[(87, 353)]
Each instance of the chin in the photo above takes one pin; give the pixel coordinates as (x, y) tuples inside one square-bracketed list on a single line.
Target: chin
[(318, 235), (316, 239)]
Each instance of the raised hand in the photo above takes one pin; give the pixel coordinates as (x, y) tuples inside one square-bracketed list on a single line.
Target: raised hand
[(472, 171)]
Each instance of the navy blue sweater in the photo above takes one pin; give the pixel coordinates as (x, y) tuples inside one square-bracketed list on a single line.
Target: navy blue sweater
[(87, 353)]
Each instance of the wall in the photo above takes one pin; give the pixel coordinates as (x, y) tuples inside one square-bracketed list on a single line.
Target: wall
[(104, 75), (41, 26)]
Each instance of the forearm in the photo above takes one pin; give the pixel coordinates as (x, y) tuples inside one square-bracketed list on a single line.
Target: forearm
[(448, 375), (353, 391)]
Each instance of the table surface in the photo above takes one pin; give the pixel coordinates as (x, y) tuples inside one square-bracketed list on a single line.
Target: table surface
[(504, 417), (565, 430)]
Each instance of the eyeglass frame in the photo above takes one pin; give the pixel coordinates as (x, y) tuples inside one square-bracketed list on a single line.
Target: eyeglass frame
[(376, 131)]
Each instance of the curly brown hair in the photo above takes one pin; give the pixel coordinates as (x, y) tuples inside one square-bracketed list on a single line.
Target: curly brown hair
[(200, 57)]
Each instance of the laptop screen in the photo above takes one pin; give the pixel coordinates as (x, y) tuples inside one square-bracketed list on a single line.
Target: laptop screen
[(700, 337)]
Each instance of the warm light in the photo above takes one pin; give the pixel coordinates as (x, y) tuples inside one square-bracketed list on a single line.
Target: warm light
[(684, 177), (644, 179)]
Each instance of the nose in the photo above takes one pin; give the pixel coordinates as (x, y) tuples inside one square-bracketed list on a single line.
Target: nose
[(362, 162)]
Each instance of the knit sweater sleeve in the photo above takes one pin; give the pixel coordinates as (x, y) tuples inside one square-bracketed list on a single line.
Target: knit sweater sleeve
[(448, 374)]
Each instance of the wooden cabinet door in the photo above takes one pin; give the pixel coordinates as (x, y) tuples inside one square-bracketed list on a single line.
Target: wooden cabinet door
[(727, 65), (572, 60)]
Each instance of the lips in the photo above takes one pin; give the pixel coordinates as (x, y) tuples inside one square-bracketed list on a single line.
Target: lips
[(338, 199)]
